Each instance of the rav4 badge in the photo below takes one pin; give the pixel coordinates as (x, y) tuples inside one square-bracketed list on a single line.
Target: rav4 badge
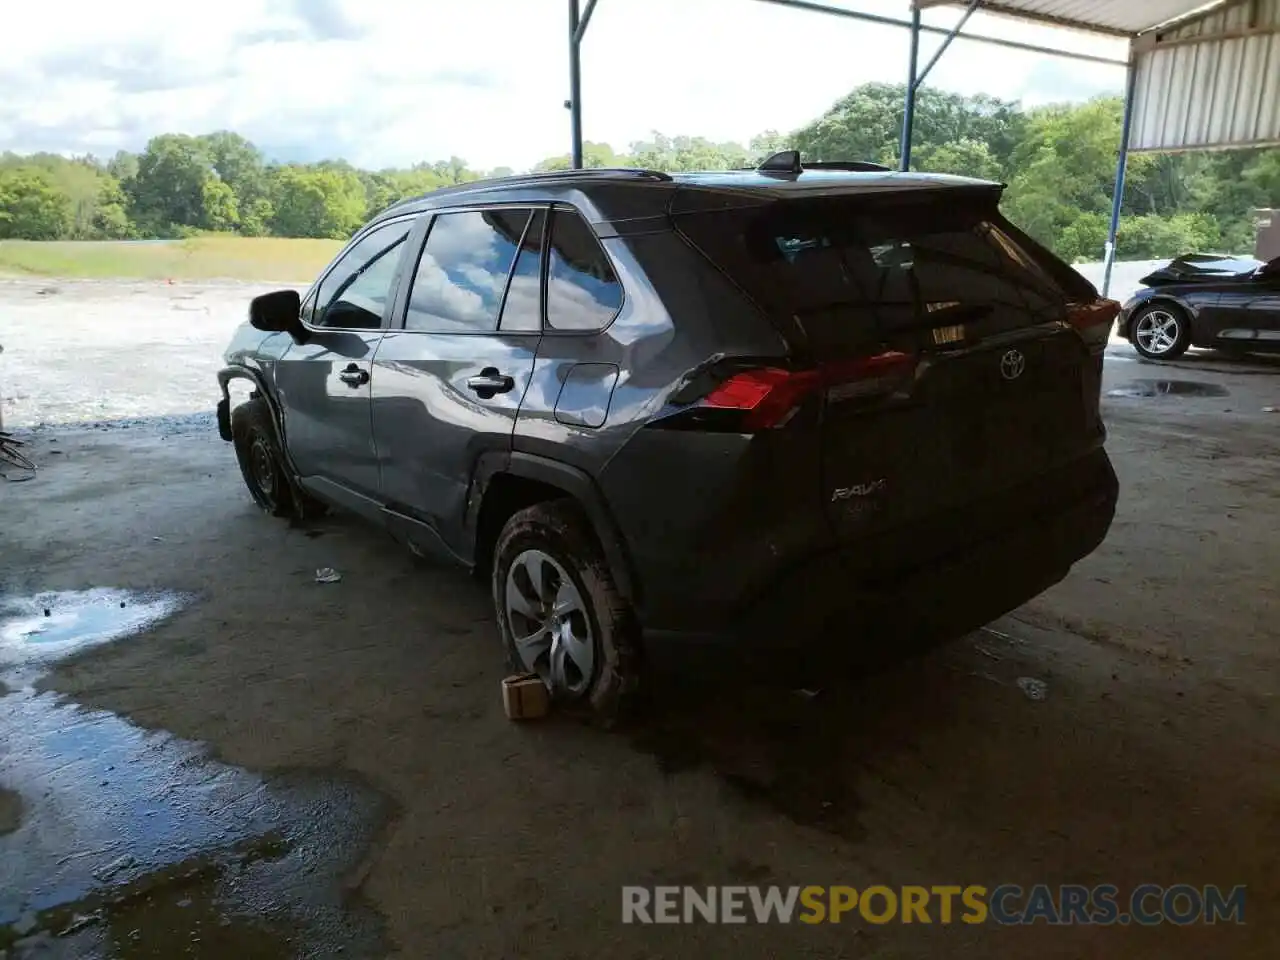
[(861, 490)]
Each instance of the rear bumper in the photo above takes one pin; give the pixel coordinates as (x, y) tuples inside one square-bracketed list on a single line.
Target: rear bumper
[(842, 598)]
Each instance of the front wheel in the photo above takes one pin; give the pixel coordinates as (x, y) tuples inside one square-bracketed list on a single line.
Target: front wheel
[(560, 614), (263, 466), (1161, 331)]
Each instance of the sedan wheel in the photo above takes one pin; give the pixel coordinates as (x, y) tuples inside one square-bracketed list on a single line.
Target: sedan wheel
[(549, 624), (1161, 333)]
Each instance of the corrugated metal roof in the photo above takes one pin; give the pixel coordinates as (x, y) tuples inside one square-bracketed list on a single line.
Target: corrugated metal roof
[(1121, 17), (1211, 82)]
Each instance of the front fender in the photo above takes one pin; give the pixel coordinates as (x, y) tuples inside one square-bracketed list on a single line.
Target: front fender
[(237, 371), (1132, 306)]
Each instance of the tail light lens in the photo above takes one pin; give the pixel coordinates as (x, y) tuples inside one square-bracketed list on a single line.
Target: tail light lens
[(767, 396), (1093, 321)]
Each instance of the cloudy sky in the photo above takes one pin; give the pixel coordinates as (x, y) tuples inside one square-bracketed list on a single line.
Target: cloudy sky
[(392, 82)]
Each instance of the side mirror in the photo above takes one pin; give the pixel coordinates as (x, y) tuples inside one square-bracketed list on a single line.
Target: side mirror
[(278, 312)]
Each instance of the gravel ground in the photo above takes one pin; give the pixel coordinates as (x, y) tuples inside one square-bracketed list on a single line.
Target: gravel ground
[(90, 350), (1154, 757)]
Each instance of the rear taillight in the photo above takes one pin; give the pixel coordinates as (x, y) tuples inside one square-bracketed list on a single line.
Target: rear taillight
[(767, 396), (1093, 321)]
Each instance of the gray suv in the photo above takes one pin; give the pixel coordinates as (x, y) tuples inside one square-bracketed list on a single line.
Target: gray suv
[(760, 408)]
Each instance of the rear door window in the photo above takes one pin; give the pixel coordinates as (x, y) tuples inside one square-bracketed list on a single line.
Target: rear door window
[(463, 271), (583, 292)]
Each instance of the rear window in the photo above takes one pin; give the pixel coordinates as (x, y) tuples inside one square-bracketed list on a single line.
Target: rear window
[(849, 271)]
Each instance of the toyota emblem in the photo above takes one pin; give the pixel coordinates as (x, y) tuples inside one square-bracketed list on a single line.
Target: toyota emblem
[(1012, 364)]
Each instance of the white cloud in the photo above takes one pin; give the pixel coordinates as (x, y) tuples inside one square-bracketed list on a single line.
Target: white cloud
[(393, 82)]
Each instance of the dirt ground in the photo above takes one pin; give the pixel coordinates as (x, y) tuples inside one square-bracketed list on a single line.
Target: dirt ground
[(1154, 757)]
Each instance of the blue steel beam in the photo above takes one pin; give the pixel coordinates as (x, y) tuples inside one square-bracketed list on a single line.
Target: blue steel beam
[(1117, 193)]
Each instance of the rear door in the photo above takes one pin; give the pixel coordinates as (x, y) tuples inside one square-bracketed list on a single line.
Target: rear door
[(323, 384), (449, 378), (950, 371)]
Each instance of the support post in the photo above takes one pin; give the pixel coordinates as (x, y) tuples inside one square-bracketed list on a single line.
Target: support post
[(946, 41), (909, 109), (574, 103), (1117, 195)]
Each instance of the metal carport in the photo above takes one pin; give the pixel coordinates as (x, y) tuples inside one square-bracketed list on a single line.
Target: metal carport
[(1200, 75)]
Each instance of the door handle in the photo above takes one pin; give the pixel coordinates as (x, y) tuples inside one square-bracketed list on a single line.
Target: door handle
[(489, 381), (353, 376)]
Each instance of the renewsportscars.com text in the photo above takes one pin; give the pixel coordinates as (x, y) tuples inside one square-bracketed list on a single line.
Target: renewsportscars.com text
[(1007, 904)]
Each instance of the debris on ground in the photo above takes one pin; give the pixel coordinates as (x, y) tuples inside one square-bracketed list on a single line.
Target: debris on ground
[(525, 697), (327, 575), (1033, 688), (111, 869)]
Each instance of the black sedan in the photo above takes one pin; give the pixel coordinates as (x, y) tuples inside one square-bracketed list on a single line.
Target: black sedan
[(1227, 303)]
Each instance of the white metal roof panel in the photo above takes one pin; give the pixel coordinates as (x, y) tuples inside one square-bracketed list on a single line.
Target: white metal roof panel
[(1121, 17), (1211, 83)]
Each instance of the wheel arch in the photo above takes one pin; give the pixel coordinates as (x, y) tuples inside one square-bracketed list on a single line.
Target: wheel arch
[(239, 372), (507, 482)]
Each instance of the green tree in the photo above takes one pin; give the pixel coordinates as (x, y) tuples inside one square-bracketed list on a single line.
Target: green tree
[(964, 157), (255, 219), (317, 203), (168, 190), (219, 209), (866, 124), (594, 155), (688, 153), (123, 166), (1151, 236), (111, 220), (238, 164), (32, 207)]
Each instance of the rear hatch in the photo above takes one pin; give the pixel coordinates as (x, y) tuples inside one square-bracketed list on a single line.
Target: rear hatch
[(956, 358)]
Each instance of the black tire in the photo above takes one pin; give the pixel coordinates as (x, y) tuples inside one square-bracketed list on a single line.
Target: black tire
[(1153, 313), (263, 466), (558, 530)]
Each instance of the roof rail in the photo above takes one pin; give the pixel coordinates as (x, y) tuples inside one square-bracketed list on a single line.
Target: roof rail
[(787, 164), (638, 173), (865, 166), (599, 173)]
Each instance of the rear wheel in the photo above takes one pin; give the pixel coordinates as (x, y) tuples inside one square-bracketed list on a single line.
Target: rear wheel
[(560, 614), (1161, 331), (263, 466)]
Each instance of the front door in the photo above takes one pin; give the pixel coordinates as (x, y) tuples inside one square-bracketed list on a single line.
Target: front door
[(451, 373), (323, 384), (1253, 306)]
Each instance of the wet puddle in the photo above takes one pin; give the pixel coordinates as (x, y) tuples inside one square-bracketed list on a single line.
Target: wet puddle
[(1167, 388), (121, 842)]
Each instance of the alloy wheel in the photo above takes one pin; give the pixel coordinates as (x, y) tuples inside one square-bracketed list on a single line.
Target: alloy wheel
[(549, 624), (1157, 331)]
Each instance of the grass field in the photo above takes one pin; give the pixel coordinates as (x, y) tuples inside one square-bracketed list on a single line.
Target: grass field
[(199, 258)]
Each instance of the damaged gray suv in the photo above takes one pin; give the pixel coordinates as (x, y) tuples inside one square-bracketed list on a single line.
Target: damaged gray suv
[(761, 408)]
